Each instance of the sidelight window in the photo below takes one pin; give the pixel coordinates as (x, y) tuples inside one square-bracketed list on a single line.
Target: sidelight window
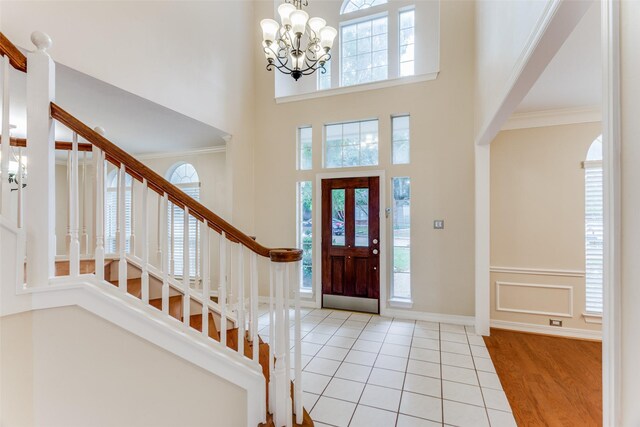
[(305, 232), (401, 279), (594, 228)]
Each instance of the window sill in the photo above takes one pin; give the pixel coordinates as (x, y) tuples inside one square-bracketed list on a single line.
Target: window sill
[(357, 88), (594, 318), (400, 303)]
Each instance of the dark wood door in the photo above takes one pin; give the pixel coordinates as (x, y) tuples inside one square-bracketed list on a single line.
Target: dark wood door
[(351, 237)]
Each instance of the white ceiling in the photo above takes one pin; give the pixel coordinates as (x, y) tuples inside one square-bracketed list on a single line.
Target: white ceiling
[(137, 125), (573, 78)]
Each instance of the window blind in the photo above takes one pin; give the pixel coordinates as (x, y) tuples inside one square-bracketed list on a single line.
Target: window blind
[(594, 236), (193, 190), (111, 219)]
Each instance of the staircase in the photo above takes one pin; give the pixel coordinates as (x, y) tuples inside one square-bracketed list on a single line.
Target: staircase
[(215, 307)]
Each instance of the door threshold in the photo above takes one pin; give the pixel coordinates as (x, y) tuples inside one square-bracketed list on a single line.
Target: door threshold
[(365, 305)]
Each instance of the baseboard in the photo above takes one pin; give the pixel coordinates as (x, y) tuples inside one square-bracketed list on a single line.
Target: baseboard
[(429, 317), (582, 334)]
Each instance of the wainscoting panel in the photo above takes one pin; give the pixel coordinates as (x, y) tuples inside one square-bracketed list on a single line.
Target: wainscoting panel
[(533, 298)]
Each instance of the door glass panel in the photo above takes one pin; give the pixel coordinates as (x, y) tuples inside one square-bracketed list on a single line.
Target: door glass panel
[(362, 217), (337, 217)]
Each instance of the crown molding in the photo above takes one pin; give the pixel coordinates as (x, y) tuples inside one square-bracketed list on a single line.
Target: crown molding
[(173, 154), (563, 116)]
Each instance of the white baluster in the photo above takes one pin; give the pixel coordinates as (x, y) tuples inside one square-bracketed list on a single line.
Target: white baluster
[(222, 291), (287, 333), (272, 338), (40, 209), (98, 158), (204, 241), (161, 232), (20, 175), (69, 206), (254, 307), (282, 413), (241, 318), (84, 239), (165, 251), (6, 138), (74, 211), (186, 302), (132, 219), (145, 241), (197, 273), (122, 234), (172, 242), (298, 393)]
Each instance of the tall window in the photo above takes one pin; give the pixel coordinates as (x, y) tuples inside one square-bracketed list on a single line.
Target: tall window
[(364, 51), (351, 144), (111, 213), (407, 41), (305, 144), (185, 177), (305, 231), (401, 288), (594, 227), (324, 78), (400, 139)]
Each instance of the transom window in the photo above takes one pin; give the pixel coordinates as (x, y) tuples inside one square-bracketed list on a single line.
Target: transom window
[(364, 51), (353, 5), (407, 42), (185, 177), (351, 144)]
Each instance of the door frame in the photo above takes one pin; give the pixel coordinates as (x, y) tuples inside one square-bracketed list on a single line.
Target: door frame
[(317, 245)]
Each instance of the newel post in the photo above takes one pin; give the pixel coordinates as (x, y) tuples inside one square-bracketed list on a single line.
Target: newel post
[(40, 201)]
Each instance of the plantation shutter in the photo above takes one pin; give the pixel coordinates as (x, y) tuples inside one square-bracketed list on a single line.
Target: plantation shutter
[(111, 215), (193, 190), (594, 236)]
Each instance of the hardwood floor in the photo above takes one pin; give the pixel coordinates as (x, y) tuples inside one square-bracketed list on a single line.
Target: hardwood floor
[(549, 381)]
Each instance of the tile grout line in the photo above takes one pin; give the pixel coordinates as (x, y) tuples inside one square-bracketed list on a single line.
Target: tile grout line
[(441, 374), (473, 360)]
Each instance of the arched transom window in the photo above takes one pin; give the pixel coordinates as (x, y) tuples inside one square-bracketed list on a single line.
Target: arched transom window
[(185, 177), (594, 227), (353, 5)]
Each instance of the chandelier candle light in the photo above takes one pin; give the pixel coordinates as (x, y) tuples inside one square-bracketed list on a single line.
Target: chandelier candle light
[(301, 45)]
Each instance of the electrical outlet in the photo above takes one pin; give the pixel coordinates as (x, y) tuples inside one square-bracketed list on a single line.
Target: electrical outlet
[(555, 322), (438, 224)]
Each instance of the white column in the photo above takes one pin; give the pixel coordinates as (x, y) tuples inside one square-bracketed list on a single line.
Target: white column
[(272, 341), (98, 158), (298, 393), (186, 302), (6, 138), (145, 242), (281, 389), (74, 211), (40, 206)]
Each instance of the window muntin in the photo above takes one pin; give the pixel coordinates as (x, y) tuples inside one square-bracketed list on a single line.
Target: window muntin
[(111, 213), (324, 78), (185, 177), (594, 228), (401, 280), (400, 137), (305, 232), (351, 144), (364, 51), (305, 144), (353, 5)]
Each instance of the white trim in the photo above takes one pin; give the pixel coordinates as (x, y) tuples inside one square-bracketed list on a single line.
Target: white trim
[(185, 153), (429, 317), (400, 303), (563, 116), (482, 238), (612, 310), (317, 258), (499, 307), (584, 334), (592, 318), (358, 88), (538, 271)]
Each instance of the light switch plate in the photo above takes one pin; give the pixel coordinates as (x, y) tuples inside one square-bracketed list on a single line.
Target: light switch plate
[(438, 224)]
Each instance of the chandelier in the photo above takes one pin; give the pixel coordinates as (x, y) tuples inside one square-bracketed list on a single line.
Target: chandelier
[(301, 45)]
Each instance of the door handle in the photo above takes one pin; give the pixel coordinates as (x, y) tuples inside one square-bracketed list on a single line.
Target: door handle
[(375, 252)]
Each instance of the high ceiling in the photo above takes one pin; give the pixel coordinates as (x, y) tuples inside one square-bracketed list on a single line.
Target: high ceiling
[(573, 78), (135, 124)]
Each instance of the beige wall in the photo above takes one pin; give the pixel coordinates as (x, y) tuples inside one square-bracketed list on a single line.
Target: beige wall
[(441, 166), (537, 222), (630, 290), (68, 367)]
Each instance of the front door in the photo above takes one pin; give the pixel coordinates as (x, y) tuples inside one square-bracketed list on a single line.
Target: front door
[(351, 243)]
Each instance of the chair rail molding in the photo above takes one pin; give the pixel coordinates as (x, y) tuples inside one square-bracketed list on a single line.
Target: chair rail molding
[(538, 271)]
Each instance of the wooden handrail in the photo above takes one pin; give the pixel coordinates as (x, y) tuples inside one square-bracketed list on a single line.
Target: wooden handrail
[(60, 145), (16, 58), (140, 171)]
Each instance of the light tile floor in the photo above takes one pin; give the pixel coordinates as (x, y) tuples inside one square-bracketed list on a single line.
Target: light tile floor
[(367, 370)]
